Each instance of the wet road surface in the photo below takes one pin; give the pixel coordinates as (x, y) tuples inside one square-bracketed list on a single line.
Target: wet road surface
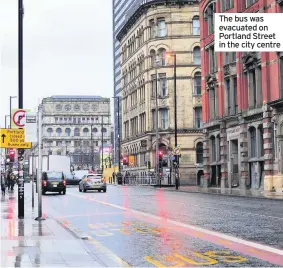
[(148, 227)]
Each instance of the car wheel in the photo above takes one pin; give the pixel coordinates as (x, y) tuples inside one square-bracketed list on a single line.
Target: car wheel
[(104, 191), (99, 190), (84, 189), (64, 192), (60, 192), (80, 189)]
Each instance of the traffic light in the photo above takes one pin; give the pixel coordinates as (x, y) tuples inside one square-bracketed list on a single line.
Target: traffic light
[(160, 154), (125, 161), (11, 156), (21, 154)]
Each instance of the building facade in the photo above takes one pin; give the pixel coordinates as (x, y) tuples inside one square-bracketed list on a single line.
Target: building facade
[(242, 95), (73, 125), (151, 36)]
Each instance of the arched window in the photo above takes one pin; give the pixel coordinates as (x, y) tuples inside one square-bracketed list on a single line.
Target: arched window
[(85, 131), (104, 130), (162, 56), (49, 131), (199, 152), (68, 132), (196, 26), (152, 57), (94, 130), (77, 132), (58, 131), (197, 55), (197, 83)]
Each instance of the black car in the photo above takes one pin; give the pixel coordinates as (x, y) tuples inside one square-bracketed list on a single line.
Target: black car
[(53, 182), (71, 179)]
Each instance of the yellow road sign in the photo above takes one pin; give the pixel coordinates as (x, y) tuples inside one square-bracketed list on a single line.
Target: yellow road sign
[(13, 138)]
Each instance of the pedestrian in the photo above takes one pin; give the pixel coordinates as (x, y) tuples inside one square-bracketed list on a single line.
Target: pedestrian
[(3, 185), (113, 176)]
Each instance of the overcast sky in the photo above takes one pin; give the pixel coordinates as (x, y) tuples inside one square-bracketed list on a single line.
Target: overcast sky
[(67, 50)]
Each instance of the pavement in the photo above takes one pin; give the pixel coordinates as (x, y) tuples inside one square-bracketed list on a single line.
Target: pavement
[(230, 192), (142, 227)]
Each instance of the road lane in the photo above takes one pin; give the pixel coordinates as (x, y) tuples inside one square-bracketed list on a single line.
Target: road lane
[(142, 239)]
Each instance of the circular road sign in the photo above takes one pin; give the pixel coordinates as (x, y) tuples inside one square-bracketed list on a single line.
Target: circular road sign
[(18, 118)]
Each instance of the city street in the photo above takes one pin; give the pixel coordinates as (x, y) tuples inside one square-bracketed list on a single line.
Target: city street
[(154, 227)]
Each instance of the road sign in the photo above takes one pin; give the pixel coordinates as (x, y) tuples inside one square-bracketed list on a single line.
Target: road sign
[(30, 127), (18, 118), (13, 138), (177, 150)]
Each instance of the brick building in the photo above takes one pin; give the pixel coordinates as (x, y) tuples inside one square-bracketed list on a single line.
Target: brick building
[(242, 106)]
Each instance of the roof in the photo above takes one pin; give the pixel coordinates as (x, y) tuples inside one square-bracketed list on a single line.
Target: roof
[(75, 97)]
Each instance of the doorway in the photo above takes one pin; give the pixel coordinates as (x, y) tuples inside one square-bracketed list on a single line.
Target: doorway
[(213, 180), (234, 164)]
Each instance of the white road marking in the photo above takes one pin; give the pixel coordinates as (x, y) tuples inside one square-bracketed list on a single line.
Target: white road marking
[(205, 231)]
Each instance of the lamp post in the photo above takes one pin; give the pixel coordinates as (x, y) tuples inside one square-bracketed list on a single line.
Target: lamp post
[(175, 119), (119, 139), (156, 125), (92, 149), (11, 97)]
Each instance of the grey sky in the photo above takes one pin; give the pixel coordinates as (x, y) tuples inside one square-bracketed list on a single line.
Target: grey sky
[(67, 50)]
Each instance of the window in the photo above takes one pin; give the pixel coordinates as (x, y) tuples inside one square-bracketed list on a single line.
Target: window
[(153, 119), (210, 16), (254, 84), (85, 132), (212, 60), (68, 143), (58, 143), (212, 103), (85, 143), (235, 95), (104, 130), (77, 132), (164, 118), (260, 130), (94, 130), (213, 149), (58, 152), (253, 142), (74, 120), (197, 83), (161, 25), (153, 85), (227, 4), (250, 2), (228, 96), (229, 57), (68, 132), (196, 26), (58, 131), (152, 29), (77, 143), (233, 56), (153, 58), (163, 85), (196, 55), (49, 144), (199, 151), (49, 131), (198, 117), (162, 56)]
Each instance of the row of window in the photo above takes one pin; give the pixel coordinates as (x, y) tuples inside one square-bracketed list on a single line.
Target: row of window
[(69, 143), (156, 58), (77, 131), (157, 29), (77, 120)]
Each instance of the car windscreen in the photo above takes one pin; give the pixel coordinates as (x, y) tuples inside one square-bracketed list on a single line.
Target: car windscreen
[(69, 176), (93, 177), (53, 176)]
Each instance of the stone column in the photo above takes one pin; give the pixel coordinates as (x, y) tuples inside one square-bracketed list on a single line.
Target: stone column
[(244, 179), (268, 148), (206, 159), (223, 156)]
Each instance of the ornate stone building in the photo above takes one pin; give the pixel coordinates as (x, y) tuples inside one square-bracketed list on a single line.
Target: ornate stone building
[(151, 35), (242, 107), (73, 125)]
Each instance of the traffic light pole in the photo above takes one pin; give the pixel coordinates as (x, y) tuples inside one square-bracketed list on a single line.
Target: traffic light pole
[(176, 128), (21, 189)]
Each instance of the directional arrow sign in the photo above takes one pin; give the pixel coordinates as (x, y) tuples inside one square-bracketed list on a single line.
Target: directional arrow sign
[(13, 138)]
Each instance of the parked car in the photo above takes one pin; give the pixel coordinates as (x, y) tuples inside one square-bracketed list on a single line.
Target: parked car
[(71, 179), (92, 182), (53, 182)]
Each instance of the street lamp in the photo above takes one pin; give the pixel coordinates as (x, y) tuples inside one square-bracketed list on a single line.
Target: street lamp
[(175, 116), (156, 124), (119, 141), (11, 97)]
